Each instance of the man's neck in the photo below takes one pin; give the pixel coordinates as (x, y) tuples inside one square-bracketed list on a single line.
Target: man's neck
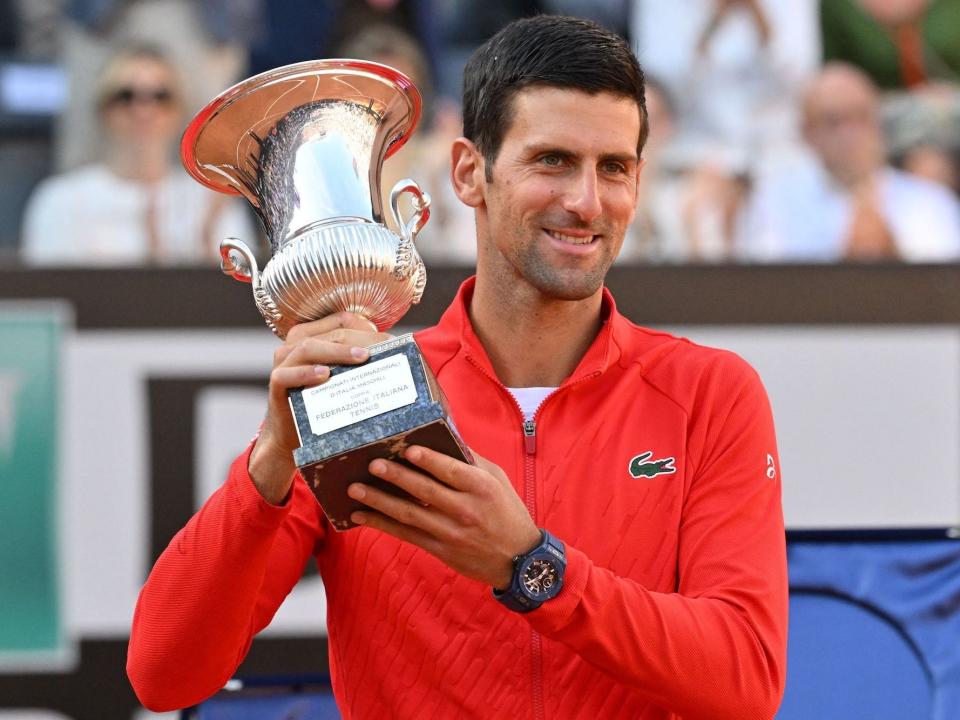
[(532, 341)]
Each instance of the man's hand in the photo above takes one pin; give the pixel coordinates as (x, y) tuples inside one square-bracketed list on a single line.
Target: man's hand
[(468, 516), (302, 361), (869, 237)]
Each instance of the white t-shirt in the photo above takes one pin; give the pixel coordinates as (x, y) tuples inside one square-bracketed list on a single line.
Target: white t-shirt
[(530, 398), (92, 217)]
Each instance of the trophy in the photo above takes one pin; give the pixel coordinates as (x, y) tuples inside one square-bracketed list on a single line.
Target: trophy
[(305, 145)]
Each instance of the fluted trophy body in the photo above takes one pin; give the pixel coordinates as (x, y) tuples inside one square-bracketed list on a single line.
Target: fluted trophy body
[(305, 145)]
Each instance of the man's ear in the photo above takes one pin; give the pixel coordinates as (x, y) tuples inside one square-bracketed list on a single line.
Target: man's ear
[(467, 172)]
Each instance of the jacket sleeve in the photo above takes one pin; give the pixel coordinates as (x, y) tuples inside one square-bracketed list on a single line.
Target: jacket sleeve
[(217, 584), (716, 648)]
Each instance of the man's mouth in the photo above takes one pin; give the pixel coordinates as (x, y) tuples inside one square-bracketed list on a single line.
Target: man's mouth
[(581, 239)]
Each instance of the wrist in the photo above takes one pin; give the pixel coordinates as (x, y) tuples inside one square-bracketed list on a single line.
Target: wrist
[(537, 576), (530, 541), (272, 471)]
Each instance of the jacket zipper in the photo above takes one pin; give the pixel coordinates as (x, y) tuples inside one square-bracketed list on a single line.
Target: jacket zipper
[(530, 500), (529, 430)]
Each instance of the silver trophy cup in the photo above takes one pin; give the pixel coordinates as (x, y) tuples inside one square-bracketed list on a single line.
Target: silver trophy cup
[(305, 144)]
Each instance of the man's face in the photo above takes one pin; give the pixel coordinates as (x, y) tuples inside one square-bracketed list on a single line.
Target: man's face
[(563, 192), (843, 127), (143, 108)]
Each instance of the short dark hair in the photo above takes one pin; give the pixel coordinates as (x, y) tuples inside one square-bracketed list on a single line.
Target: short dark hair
[(550, 50)]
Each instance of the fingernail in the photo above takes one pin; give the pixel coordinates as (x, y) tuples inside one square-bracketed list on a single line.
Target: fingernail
[(378, 467), (320, 369), (358, 518), (358, 352), (356, 491), (413, 453)]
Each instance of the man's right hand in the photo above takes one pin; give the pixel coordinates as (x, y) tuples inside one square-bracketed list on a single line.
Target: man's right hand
[(303, 360)]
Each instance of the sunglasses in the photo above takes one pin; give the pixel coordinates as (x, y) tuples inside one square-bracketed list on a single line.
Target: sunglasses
[(127, 96)]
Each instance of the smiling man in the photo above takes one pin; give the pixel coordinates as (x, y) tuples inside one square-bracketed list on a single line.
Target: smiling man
[(617, 549)]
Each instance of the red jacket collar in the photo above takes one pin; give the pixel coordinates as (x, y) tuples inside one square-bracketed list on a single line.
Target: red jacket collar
[(603, 351)]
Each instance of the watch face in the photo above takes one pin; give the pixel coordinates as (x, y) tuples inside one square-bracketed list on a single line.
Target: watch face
[(539, 577)]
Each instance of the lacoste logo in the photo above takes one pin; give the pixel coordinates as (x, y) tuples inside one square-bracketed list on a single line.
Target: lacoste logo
[(643, 466)]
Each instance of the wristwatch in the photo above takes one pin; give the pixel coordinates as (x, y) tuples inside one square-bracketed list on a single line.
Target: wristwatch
[(537, 575)]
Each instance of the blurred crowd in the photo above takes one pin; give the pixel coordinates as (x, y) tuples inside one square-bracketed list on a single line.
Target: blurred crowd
[(781, 130)]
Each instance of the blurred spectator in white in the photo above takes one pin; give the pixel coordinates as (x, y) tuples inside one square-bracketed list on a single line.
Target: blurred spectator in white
[(685, 213), (137, 205), (735, 68), (848, 204), (207, 40), (898, 43), (448, 237)]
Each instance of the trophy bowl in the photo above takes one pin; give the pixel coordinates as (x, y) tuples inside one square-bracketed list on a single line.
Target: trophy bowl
[(305, 145)]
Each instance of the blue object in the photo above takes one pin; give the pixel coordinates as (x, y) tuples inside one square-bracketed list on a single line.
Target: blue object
[(874, 631), (273, 697), (299, 706), (548, 556)]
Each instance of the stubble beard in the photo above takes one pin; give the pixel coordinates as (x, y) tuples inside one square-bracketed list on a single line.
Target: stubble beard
[(562, 283)]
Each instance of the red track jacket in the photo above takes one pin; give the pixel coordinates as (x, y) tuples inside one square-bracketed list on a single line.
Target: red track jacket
[(675, 598)]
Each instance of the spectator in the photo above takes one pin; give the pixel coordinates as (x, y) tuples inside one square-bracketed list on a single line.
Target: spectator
[(686, 211), (206, 40), (735, 69), (923, 127), (135, 206), (849, 204), (295, 31), (898, 43)]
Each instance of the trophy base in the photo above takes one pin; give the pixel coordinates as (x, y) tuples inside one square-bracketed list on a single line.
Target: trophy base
[(369, 411)]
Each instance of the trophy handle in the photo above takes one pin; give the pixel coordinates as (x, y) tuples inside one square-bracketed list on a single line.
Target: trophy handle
[(237, 261), (407, 257)]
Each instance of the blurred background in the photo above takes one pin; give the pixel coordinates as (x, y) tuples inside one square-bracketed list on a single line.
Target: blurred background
[(800, 204)]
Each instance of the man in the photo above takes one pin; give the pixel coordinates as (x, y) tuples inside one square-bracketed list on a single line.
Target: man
[(629, 477), (847, 203)]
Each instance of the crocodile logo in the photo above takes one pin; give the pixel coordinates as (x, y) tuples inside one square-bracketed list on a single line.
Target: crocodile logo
[(643, 466)]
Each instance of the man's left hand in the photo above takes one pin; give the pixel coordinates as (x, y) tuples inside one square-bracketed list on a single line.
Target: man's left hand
[(468, 516)]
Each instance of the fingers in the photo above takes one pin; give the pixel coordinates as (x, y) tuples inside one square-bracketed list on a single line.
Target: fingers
[(284, 378), (427, 490), (400, 531), (455, 473), (355, 331), (403, 511), (345, 320)]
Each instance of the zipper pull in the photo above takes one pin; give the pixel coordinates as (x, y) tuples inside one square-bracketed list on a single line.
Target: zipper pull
[(530, 436)]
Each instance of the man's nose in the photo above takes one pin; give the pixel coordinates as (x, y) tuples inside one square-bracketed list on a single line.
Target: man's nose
[(583, 196)]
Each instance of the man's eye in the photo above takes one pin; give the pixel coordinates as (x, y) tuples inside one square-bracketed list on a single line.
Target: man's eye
[(614, 167), (551, 160)]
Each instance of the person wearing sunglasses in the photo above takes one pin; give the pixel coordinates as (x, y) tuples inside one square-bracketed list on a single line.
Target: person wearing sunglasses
[(136, 205)]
